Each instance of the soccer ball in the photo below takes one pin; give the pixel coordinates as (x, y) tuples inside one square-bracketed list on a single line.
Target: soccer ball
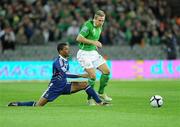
[(156, 101)]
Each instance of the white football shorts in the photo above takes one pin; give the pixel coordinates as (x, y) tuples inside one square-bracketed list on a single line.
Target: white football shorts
[(90, 59)]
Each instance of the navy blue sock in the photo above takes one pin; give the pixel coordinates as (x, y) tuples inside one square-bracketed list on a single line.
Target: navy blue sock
[(90, 91), (29, 103), (91, 82)]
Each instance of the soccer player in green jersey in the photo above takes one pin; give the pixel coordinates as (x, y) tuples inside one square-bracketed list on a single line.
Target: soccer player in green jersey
[(88, 56)]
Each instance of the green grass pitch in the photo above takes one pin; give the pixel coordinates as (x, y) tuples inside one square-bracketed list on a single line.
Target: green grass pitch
[(130, 106)]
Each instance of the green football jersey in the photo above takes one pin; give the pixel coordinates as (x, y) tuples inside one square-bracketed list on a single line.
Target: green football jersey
[(89, 31)]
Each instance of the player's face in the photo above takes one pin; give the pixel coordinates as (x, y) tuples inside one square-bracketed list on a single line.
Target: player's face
[(65, 52), (99, 21)]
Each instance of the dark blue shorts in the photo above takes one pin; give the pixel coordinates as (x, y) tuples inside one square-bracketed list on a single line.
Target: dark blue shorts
[(55, 90)]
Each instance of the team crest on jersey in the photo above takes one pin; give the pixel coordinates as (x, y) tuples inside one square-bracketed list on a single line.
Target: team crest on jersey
[(85, 29), (64, 65)]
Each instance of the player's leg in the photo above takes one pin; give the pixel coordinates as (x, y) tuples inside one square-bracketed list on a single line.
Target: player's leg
[(51, 93), (28, 103), (103, 81), (92, 78), (85, 58), (74, 87), (42, 101), (77, 86), (104, 77)]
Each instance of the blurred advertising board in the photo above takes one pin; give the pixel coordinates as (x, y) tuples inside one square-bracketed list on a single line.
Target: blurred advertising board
[(133, 69)]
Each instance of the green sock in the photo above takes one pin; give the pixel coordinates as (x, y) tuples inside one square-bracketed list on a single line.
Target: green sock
[(91, 82), (103, 83)]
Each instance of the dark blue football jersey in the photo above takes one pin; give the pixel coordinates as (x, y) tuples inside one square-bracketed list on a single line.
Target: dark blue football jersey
[(60, 68), (58, 84)]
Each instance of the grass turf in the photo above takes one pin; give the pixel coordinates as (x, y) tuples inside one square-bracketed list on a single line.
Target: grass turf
[(130, 106)]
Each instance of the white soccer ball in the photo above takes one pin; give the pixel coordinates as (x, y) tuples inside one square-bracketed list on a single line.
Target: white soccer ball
[(156, 101)]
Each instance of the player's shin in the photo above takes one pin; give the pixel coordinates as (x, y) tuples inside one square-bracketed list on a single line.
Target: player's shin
[(90, 91), (91, 82), (103, 83), (29, 103)]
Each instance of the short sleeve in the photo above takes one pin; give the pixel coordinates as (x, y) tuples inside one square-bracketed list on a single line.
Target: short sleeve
[(84, 31)]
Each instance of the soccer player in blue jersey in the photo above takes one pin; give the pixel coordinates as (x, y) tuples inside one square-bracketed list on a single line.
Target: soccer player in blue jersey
[(59, 85)]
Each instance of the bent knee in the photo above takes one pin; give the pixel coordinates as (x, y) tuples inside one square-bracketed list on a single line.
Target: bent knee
[(106, 72), (92, 76), (83, 85)]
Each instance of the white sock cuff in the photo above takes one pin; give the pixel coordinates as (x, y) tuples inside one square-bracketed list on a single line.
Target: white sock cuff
[(87, 88)]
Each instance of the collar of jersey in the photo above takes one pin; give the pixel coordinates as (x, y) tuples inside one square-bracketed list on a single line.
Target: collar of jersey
[(62, 57), (94, 24)]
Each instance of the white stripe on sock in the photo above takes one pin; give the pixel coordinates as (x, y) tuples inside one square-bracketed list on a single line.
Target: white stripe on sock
[(87, 88)]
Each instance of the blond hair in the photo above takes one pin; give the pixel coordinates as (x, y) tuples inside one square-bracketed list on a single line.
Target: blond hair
[(99, 13)]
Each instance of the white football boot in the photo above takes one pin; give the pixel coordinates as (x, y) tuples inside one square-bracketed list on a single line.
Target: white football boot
[(105, 97)]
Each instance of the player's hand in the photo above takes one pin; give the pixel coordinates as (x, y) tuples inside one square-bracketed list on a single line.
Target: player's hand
[(98, 44)]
